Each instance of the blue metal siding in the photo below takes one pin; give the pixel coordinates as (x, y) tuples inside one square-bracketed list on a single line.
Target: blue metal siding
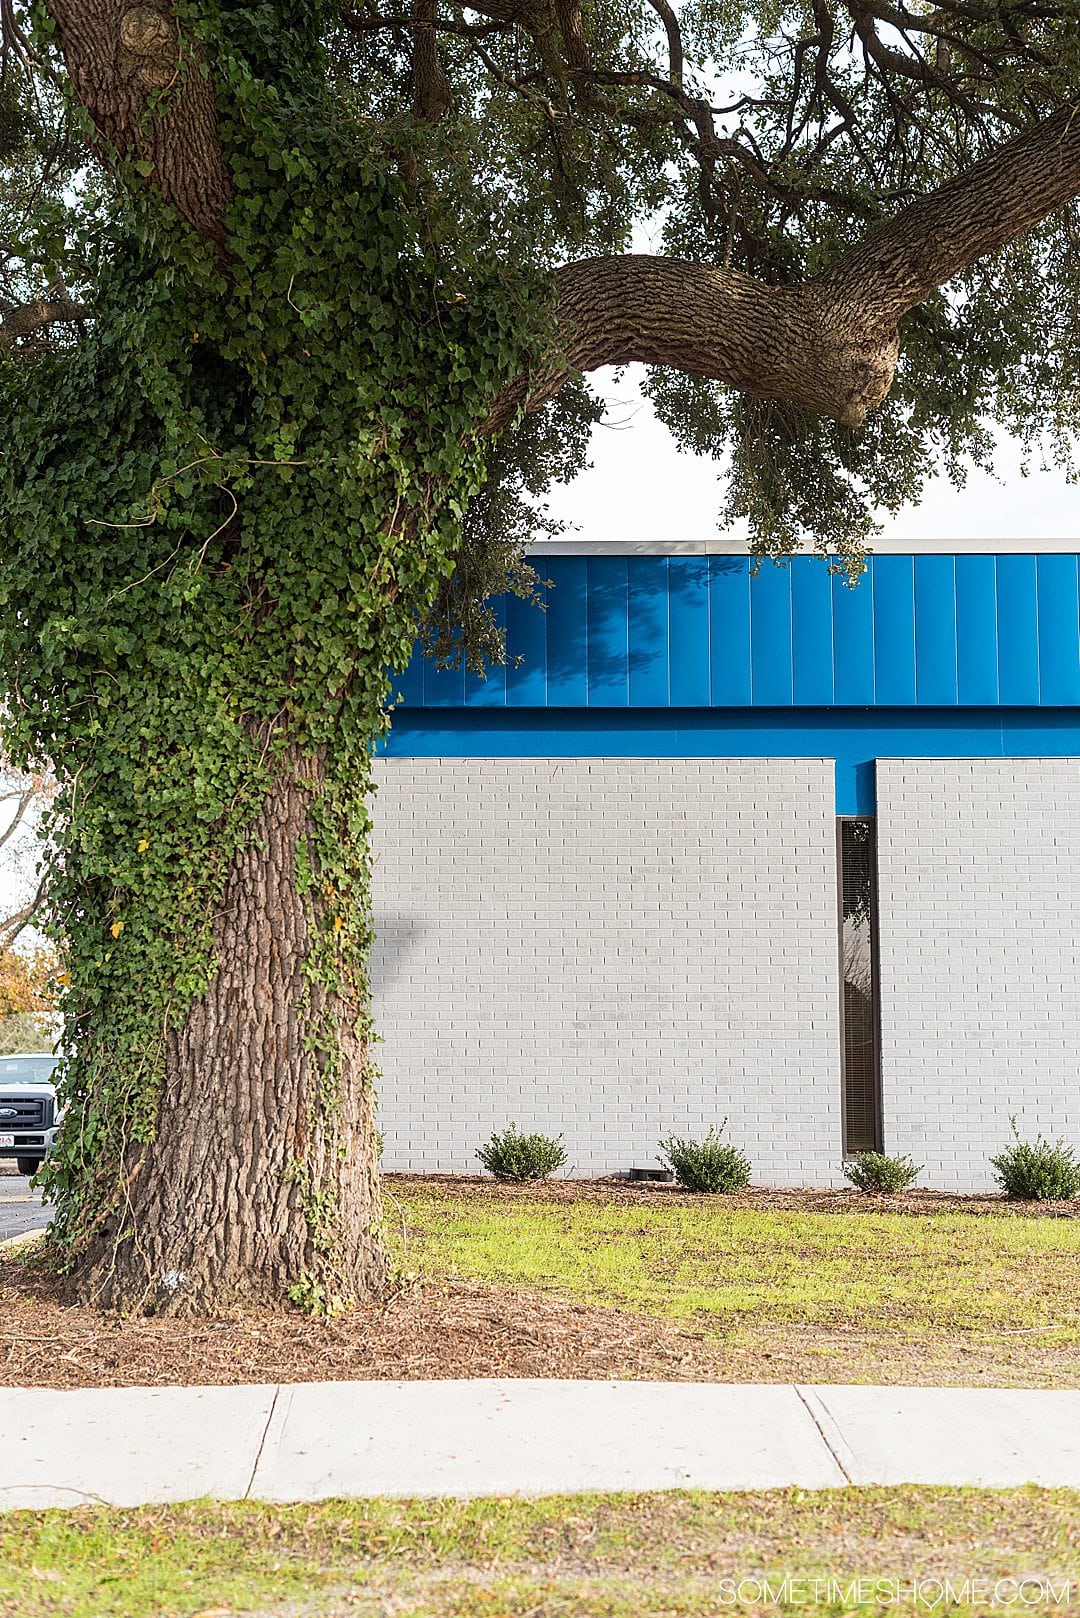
[(976, 630), (1018, 630), (688, 631), (607, 631), (811, 631), (930, 631), (1059, 617), (728, 643), (648, 614)]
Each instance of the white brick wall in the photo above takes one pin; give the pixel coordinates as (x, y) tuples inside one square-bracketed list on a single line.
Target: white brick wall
[(610, 949), (979, 890)]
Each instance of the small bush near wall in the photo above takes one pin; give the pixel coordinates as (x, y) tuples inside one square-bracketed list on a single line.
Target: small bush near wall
[(1039, 1170), (873, 1171), (511, 1156), (708, 1165)]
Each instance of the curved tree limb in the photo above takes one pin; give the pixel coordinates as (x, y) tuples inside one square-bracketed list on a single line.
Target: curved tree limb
[(831, 345), (26, 318)]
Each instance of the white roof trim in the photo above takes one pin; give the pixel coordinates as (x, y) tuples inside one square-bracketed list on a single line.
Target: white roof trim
[(739, 547)]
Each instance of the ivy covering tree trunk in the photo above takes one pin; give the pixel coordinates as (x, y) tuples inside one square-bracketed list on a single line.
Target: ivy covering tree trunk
[(259, 1181), (295, 305), (227, 516)]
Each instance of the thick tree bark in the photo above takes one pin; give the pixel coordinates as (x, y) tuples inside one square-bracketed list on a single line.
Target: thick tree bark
[(261, 1176), (117, 54), (832, 344)]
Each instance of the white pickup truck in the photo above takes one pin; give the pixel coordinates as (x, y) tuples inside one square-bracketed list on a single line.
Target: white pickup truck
[(28, 1112)]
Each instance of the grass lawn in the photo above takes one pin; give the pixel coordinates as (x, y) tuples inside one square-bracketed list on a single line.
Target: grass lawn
[(595, 1280), (717, 1263), (842, 1294), (618, 1556)]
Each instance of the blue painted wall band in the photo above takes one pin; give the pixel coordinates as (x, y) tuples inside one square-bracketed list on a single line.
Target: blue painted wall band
[(853, 737)]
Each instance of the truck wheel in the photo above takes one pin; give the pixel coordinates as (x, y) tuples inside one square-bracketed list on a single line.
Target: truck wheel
[(28, 1165)]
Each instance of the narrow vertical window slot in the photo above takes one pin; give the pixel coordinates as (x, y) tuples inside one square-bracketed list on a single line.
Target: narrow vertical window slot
[(860, 1017)]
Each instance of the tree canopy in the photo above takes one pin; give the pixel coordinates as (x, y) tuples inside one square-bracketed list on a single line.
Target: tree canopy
[(297, 309), (765, 140)]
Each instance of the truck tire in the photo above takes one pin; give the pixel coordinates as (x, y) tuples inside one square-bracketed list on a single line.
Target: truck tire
[(28, 1165)]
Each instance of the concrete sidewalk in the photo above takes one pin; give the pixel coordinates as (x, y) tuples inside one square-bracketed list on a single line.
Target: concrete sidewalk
[(312, 1441)]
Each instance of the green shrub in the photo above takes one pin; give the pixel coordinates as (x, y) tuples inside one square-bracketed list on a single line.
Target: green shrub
[(709, 1165), (511, 1156), (1038, 1170), (873, 1171)]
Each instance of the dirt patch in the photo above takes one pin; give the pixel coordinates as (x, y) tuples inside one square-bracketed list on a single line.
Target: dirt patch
[(467, 1330), (843, 1200)]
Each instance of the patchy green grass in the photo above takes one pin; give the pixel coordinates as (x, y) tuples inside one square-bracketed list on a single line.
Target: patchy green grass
[(615, 1556), (721, 1265)]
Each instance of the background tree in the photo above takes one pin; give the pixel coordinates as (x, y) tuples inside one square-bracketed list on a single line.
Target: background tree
[(294, 303), (29, 972)]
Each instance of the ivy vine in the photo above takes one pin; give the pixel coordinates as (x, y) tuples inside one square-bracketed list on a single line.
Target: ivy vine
[(225, 513)]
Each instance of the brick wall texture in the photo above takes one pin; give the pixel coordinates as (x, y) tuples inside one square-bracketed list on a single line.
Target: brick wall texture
[(610, 949), (979, 903)]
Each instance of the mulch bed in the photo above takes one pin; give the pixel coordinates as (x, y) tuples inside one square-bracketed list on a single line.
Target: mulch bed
[(840, 1200), (465, 1329), (427, 1331)]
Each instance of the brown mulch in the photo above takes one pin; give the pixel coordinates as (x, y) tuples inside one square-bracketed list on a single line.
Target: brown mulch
[(837, 1200), (427, 1331), (467, 1330)]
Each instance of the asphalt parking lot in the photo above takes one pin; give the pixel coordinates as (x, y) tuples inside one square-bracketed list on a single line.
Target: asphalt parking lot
[(20, 1208)]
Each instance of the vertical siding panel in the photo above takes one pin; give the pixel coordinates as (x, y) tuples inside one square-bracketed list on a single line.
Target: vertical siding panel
[(770, 637), (647, 635), (688, 628), (935, 631), (566, 620), (1018, 639), (1059, 630), (729, 630), (811, 631), (853, 641), (976, 631), (526, 637), (892, 580), (606, 632), (409, 684), (443, 688), (489, 692)]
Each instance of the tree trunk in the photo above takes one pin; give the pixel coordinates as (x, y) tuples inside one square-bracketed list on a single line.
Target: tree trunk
[(261, 1182)]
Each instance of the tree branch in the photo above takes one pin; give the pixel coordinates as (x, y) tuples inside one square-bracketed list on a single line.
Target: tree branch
[(990, 204), (26, 318), (831, 345)]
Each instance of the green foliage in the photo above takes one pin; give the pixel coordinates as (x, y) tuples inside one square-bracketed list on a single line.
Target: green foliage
[(511, 1156), (224, 513), (708, 1165), (1038, 1171), (874, 1171)]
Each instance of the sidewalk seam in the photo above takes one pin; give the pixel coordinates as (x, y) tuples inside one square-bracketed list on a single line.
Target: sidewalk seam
[(262, 1441), (845, 1474)]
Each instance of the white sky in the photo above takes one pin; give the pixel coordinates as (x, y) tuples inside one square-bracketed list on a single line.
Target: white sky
[(641, 488)]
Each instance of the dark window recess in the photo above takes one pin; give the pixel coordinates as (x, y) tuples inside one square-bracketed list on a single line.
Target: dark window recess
[(860, 1021)]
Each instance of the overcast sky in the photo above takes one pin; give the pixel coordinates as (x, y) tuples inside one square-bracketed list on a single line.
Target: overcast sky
[(641, 488)]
